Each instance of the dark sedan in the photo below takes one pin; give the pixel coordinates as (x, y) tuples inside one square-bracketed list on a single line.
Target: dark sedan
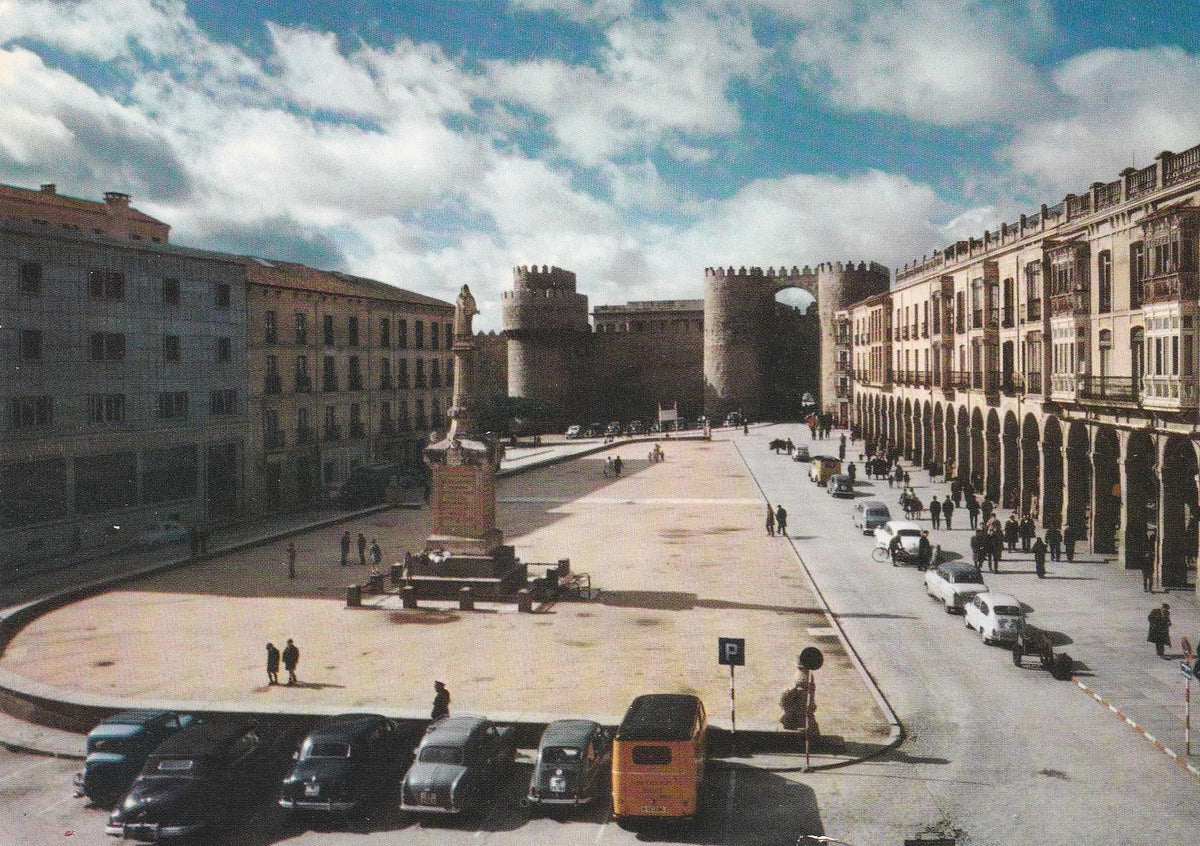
[(345, 762), (118, 747), (459, 763), (574, 764), (191, 781)]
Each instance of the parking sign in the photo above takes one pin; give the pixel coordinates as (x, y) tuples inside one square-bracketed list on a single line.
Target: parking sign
[(731, 651)]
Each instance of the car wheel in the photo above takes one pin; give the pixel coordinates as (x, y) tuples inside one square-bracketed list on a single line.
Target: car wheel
[(967, 623), (987, 641), (949, 608)]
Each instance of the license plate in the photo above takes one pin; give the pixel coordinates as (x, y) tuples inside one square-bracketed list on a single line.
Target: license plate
[(312, 790), (558, 785), (427, 797), (141, 831), (653, 809)]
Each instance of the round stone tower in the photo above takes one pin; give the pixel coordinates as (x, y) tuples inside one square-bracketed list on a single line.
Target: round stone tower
[(546, 322)]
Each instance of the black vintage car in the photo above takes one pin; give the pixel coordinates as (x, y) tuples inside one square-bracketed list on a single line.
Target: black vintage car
[(117, 748), (192, 780), (346, 762), (459, 763), (574, 764)]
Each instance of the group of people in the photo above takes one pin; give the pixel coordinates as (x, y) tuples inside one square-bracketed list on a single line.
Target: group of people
[(613, 466), (820, 425), (290, 657), (776, 521), (376, 551), (657, 455)]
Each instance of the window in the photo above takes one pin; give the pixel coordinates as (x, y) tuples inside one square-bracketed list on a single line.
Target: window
[(435, 374), (106, 409), (1104, 280), (402, 334), (222, 295), (402, 413), (329, 375), (303, 432), (106, 285), (223, 403), (173, 405), (449, 373), (433, 336), (331, 423), (105, 482), (385, 374), (420, 414), (420, 376), (170, 292), (402, 373), (352, 331), (31, 344), (1137, 272), (419, 335), (356, 426), (961, 312), (224, 349), (270, 327), (385, 417), (272, 384), (30, 277), (301, 328), (354, 377), (449, 338), (170, 348), (303, 384), (31, 412), (385, 332), (107, 346), (327, 329)]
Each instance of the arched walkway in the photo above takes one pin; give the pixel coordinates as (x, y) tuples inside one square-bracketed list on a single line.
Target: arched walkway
[(927, 453), (992, 470), (938, 429), (977, 456), (1179, 518), (1079, 479), (1031, 467), (1141, 497), (1052, 474), (951, 444), (1011, 442), (1107, 490), (964, 446)]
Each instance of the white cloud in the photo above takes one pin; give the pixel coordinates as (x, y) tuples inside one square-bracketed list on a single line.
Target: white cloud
[(945, 62)]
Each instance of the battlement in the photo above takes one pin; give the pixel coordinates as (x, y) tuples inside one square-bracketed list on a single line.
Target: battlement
[(544, 278), (795, 272)]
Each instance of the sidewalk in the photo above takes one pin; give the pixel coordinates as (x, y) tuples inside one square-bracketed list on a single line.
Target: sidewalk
[(1096, 611)]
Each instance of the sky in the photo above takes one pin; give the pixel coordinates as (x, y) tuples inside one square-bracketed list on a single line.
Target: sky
[(634, 142)]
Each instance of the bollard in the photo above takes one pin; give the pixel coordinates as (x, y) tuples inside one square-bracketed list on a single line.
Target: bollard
[(466, 599), (397, 574), (408, 597), (564, 567), (353, 596), (375, 583), (524, 601)]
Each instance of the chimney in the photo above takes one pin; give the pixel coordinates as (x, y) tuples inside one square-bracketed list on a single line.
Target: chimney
[(49, 188), (116, 200)]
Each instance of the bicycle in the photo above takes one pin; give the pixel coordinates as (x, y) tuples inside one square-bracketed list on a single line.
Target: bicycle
[(880, 555)]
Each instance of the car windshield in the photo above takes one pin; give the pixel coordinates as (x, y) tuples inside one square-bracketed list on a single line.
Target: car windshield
[(441, 755), (556, 755), (964, 577), (327, 749), (1007, 611)]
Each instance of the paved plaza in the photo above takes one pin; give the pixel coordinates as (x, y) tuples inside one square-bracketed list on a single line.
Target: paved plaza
[(676, 549)]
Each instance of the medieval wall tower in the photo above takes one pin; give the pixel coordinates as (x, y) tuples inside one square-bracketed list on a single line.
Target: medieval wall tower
[(546, 323), (738, 306)]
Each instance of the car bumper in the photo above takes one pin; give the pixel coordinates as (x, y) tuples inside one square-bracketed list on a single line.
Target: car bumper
[(317, 805), (428, 809), (573, 801), (150, 832), (1003, 636)]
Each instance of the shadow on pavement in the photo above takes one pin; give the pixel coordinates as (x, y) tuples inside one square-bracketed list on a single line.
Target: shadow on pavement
[(668, 600)]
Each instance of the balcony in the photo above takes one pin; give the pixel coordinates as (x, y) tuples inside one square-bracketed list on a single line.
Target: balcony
[(274, 440), (272, 384), (960, 380), (1169, 288), (1065, 387), (1106, 389), (842, 391), (1033, 383), (1075, 302), (1012, 384), (1169, 393), (1031, 311)]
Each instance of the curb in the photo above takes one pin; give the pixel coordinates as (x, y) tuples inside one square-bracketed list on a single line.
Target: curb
[(1162, 747), (896, 733)]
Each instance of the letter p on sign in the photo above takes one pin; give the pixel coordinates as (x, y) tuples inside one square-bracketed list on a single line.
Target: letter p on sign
[(731, 651)]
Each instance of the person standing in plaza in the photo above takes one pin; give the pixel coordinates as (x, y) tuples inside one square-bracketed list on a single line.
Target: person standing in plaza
[(986, 510), (1160, 629), (291, 559), (376, 553), (1012, 530), (272, 664), (291, 658), (1054, 541), (935, 512), (345, 547), (924, 552), (617, 465), (948, 512), (362, 549), (770, 521), (972, 510), (995, 536), (956, 491), (1039, 558), (781, 521), (441, 701), (1027, 532), (1070, 538)]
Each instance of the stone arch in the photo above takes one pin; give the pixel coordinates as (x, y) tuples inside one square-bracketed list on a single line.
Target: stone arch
[(1106, 460), (977, 451), (950, 428), (1052, 473), (1079, 479), (1179, 517), (992, 457), (1010, 494), (1141, 496), (938, 427), (906, 438), (1031, 466), (927, 451), (893, 423), (964, 445)]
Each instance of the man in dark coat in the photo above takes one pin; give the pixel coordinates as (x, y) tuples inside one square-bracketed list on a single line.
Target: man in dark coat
[(956, 492), (935, 512), (1012, 530), (362, 549), (345, 547), (978, 548), (441, 701), (1148, 566), (1054, 541), (770, 521), (272, 664), (1160, 629), (781, 521), (948, 511), (1070, 536), (986, 510), (1027, 532), (924, 552), (973, 510), (376, 553), (291, 657), (1039, 558)]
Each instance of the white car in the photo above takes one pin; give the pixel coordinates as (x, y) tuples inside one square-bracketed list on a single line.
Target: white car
[(910, 538), (574, 432), (870, 515), (954, 583), (997, 617)]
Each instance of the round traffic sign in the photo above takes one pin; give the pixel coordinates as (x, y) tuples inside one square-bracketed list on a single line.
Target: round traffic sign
[(811, 658)]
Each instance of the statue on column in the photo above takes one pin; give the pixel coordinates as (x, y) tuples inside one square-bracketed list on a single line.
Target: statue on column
[(462, 399), (464, 310)]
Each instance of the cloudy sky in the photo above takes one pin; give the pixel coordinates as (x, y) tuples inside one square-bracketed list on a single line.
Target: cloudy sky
[(635, 142)]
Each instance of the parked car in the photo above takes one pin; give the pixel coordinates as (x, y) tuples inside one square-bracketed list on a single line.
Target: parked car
[(998, 617), (840, 486), (635, 427), (459, 763), (822, 468), (801, 454), (574, 764), (910, 537), (954, 583), (594, 430), (195, 776), (344, 763), (161, 533), (870, 515), (574, 432), (614, 428), (735, 418), (117, 749)]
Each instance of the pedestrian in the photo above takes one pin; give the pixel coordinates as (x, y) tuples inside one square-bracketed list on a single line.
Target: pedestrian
[(1160, 629), (1054, 541), (1148, 565), (1070, 536), (956, 491), (441, 701), (1027, 532), (291, 559), (791, 447), (842, 449), (345, 547), (1039, 558), (986, 510), (362, 549), (907, 479), (1012, 531), (924, 552), (770, 521), (617, 465), (972, 510), (781, 521), (291, 657), (935, 512), (948, 511), (376, 553), (978, 548), (272, 664), (995, 536)]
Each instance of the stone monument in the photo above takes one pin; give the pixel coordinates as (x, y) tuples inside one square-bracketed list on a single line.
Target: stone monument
[(466, 548)]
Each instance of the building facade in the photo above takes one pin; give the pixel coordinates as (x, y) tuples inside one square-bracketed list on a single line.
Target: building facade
[(344, 371), (1054, 363), (124, 399)]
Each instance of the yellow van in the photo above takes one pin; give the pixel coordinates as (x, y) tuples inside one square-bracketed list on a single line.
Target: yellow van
[(822, 467), (659, 754)]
